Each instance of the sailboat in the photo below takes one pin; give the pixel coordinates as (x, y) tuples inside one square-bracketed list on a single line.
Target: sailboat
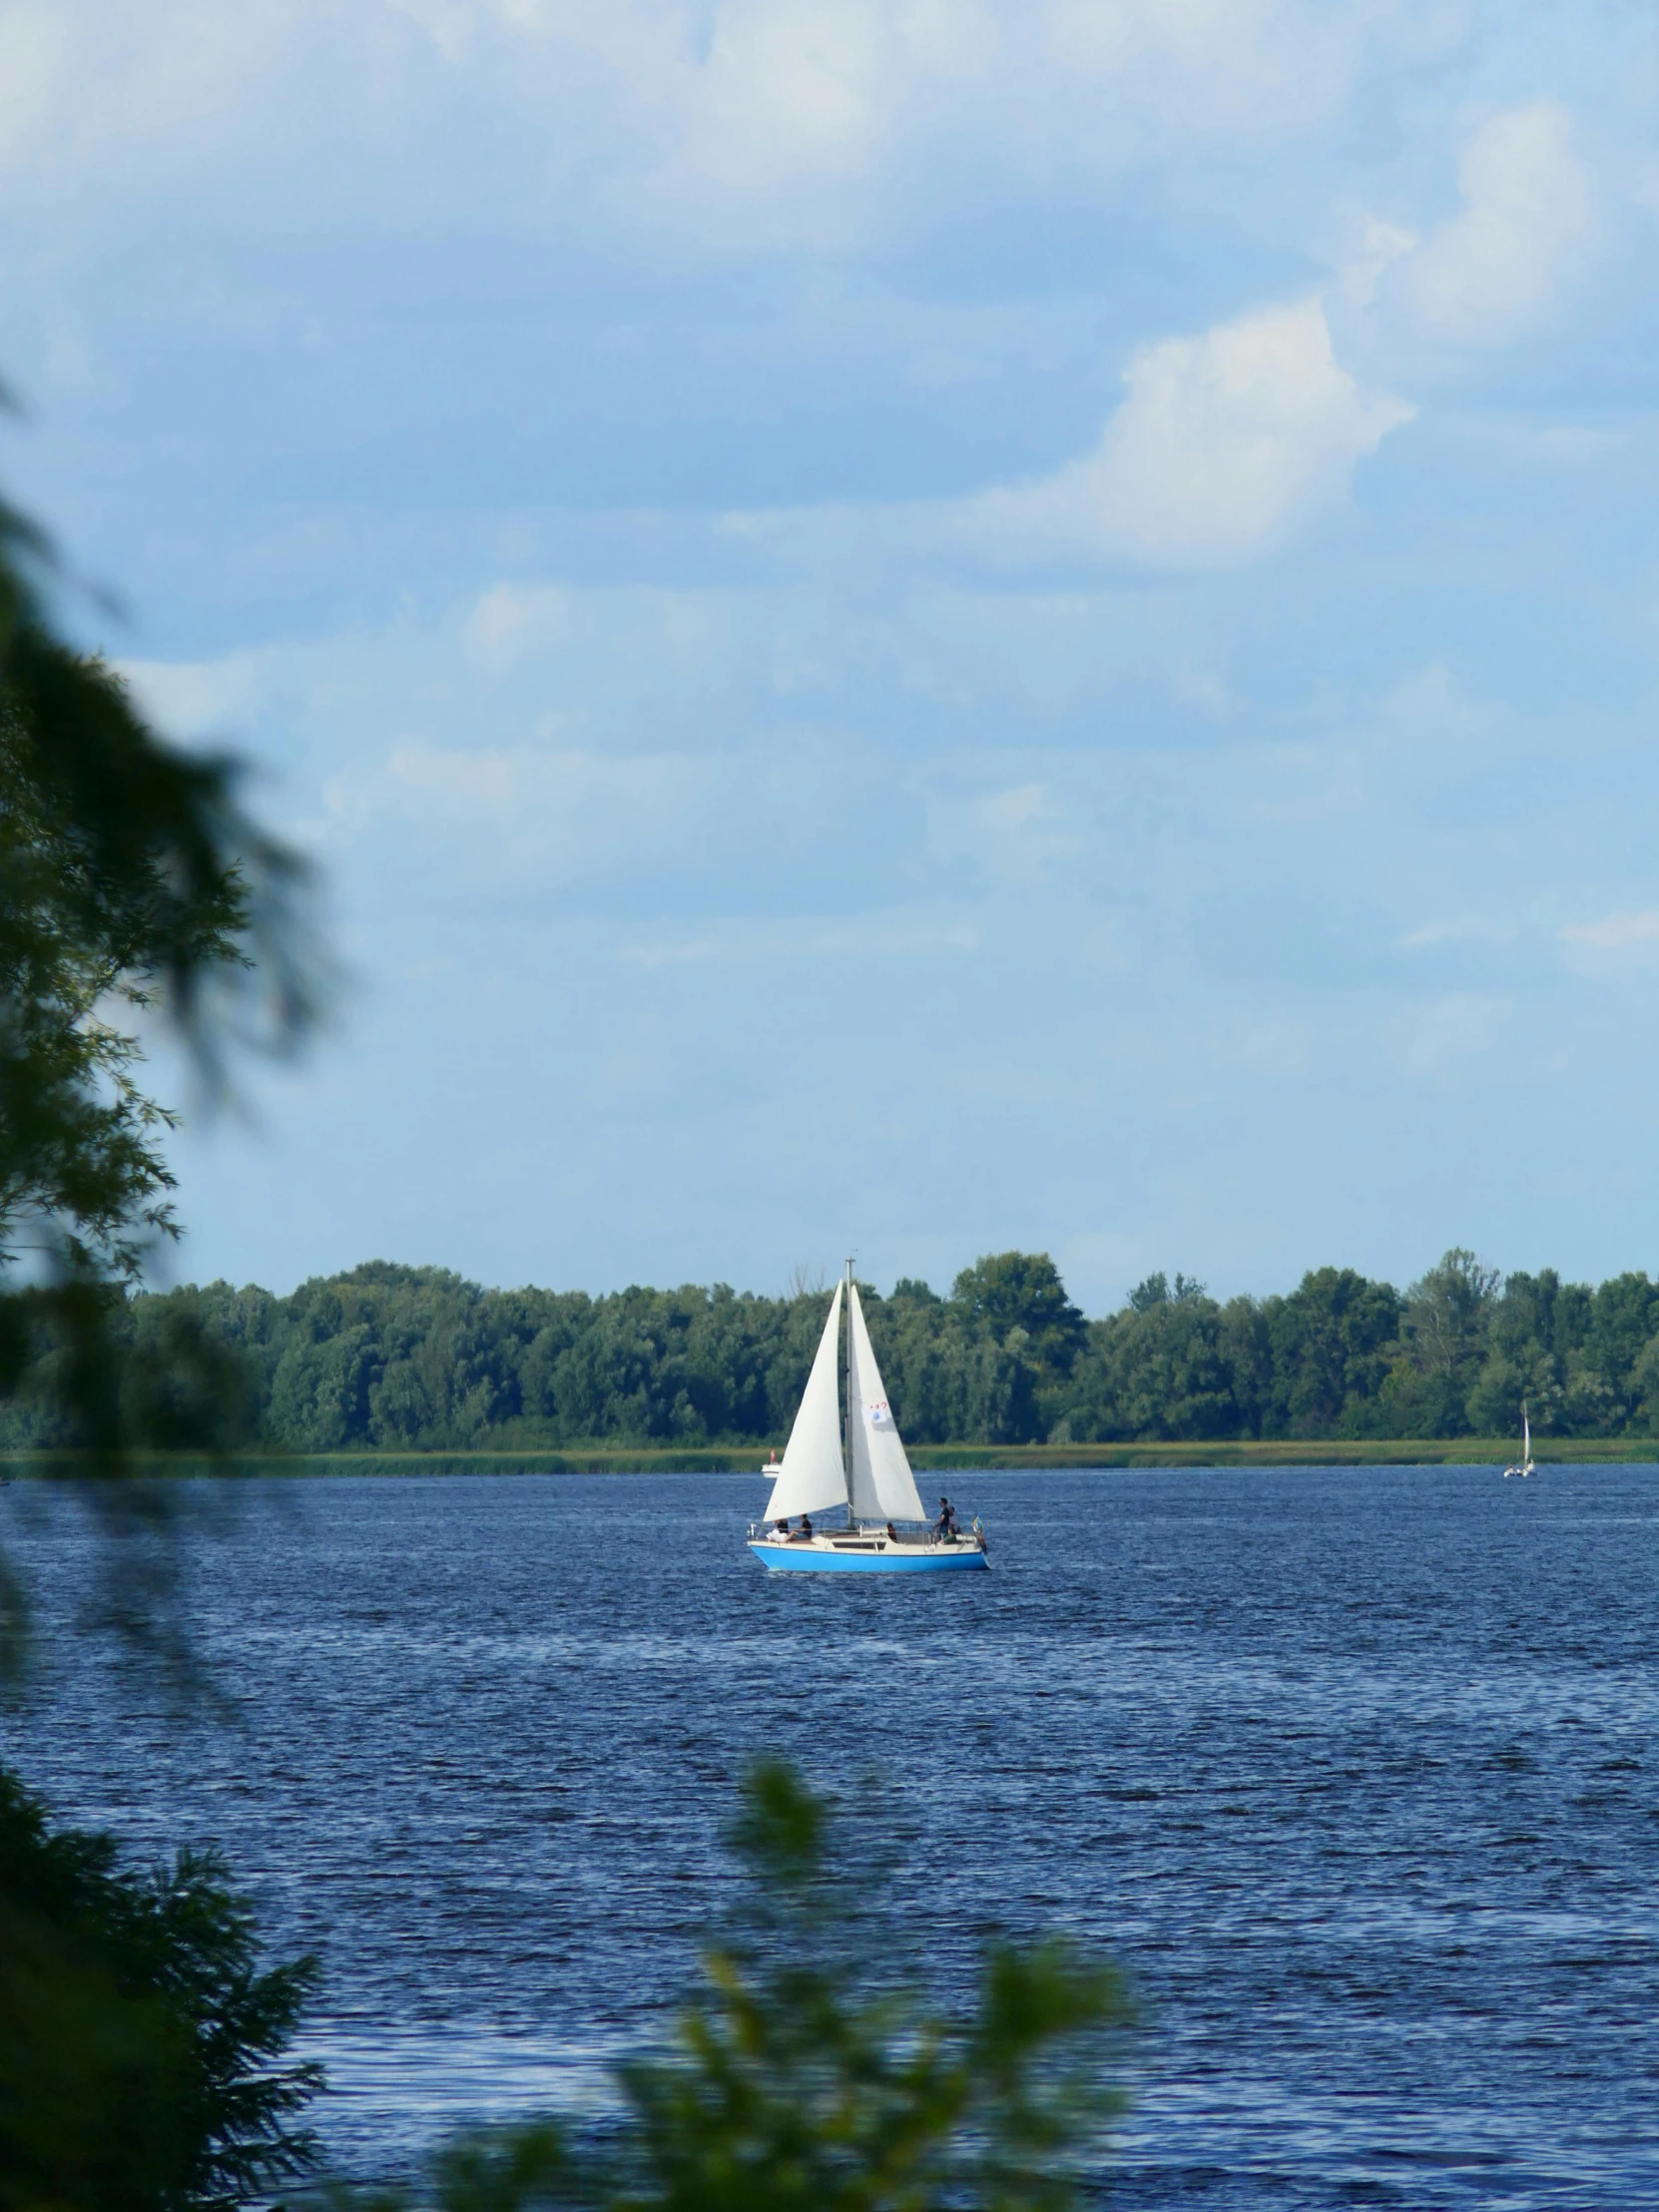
[(870, 1475), (1524, 1464)]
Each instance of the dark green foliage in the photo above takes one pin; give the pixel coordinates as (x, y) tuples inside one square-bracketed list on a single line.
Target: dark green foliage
[(1342, 1356), (132, 882), (1328, 1345), (1155, 1369), (129, 878), (805, 2077), (138, 2037), (1023, 1290), (403, 1358)]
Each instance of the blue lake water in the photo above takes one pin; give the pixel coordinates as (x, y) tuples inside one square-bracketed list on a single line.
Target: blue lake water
[(1354, 1770)]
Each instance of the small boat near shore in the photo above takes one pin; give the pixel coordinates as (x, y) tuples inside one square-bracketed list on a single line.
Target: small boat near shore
[(1524, 1464), (868, 1475)]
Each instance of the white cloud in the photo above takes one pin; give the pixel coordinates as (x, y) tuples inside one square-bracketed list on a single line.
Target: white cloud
[(83, 82), (1245, 65), (35, 59), (1526, 223), (1372, 251), (511, 621), (1018, 835), (790, 95), (1223, 444), (1435, 934), (514, 814), (1626, 933), (738, 814), (200, 699), (728, 119)]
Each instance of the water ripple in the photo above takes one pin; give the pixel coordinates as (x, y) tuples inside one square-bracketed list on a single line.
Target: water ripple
[(1353, 1769)]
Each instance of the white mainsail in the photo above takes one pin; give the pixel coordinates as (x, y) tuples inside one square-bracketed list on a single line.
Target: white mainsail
[(883, 1487), (814, 1476)]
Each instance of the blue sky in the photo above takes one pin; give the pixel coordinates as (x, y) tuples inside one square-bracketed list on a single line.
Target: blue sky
[(905, 628)]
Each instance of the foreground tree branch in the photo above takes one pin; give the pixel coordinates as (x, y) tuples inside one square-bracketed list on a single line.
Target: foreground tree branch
[(134, 887)]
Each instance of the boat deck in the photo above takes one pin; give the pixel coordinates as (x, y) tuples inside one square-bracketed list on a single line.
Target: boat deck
[(865, 1548)]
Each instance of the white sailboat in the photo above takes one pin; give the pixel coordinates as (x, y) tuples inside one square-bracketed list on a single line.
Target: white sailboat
[(869, 1474), (1524, 1464)]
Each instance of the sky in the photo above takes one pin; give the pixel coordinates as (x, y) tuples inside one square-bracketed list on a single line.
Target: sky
[(900, 629)]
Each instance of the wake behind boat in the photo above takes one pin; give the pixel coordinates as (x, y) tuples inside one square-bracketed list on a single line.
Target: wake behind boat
[(870, 1476)]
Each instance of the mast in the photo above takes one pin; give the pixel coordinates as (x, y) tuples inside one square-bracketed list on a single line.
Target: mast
[(847, 1447)]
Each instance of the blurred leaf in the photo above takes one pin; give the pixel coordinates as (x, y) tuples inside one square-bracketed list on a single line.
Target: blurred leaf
[(138, 2035), (806, 2076), (134, 886)]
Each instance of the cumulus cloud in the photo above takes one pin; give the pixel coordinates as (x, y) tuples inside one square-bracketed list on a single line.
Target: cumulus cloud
[(1525, 224), (747, 115), (743, 101), (789, 95), (1222, 445), (85, 85), (738, 99)]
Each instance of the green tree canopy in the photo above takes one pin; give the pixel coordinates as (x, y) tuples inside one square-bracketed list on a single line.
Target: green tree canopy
[(1023, 1290), (138, 2038), (408, 1359)]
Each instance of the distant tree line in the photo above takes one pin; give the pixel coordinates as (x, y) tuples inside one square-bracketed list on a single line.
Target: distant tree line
[(397, 1358)]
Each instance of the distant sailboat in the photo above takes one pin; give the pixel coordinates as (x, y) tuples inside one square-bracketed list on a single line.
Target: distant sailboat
[(870, 1476), (1524, 1464)]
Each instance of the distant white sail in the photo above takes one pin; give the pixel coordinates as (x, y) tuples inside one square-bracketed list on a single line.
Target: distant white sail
[(883, 1487), (814, 1476)]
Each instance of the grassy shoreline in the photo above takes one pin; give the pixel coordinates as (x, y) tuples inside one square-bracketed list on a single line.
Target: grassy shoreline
[(746, 1459)]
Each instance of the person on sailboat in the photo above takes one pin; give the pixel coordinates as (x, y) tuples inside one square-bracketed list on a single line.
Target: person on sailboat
[(860, 1466)]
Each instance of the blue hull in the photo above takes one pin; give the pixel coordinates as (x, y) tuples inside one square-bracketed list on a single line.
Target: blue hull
[(802, 1558)]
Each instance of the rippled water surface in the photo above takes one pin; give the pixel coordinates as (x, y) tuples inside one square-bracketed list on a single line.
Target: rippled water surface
[(1354, 1769)]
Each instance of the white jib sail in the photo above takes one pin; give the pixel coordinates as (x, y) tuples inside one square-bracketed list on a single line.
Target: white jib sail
[(883, 1488), (813, 1476)]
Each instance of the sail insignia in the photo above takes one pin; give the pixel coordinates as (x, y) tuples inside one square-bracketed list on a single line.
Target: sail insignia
[(883, 1488)]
